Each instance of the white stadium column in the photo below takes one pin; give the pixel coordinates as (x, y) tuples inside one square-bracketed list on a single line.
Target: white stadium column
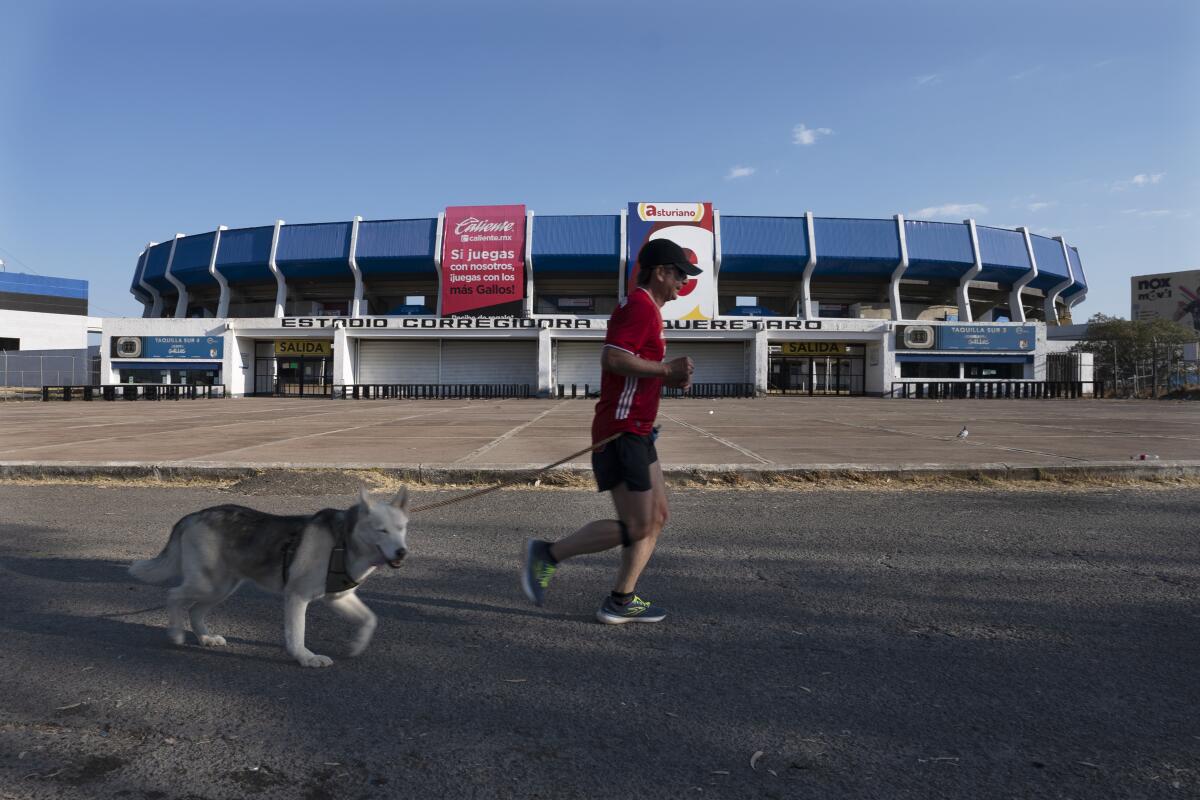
[(280, 282), (806, 278), (137, 276), (156, 301), (1016, 308), (545, 363), (623, 256), (343, 362), (356, 301), (437, 257), (964, 289), (182, 303), (1082, 278), (762, 361), (527, 304), (223, 298), (894, 286), (1051, 308)]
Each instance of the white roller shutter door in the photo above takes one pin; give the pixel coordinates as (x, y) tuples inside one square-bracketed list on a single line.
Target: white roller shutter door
[(408, 361), (483, 361), (715, 362), (577, 363)]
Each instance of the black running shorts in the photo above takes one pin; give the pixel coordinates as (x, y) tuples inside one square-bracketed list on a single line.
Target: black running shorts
[(626, 460)]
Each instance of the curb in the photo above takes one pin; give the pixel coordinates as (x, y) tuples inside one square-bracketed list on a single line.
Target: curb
[(714, 474)]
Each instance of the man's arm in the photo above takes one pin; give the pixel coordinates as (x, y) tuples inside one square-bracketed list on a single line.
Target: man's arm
[(677, 372)]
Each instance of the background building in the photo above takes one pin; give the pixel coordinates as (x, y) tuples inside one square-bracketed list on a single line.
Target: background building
[(803, 303), (44, 330)]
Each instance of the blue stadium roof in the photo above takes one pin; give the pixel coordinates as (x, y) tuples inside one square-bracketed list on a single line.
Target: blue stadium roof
[(752, 247)]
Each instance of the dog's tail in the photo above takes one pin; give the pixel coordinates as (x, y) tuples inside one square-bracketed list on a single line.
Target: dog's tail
[(165, 566)]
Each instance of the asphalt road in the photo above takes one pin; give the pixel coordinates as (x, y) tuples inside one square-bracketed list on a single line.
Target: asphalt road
[(866, 644)]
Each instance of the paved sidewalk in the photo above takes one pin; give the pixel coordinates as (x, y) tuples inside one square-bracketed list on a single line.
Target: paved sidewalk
[(458, 437)]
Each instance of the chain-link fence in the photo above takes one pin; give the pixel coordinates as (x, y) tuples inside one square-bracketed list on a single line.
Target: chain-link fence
[(33, 369)]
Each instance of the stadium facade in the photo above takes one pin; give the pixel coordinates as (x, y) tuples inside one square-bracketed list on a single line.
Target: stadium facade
[(496, 295)]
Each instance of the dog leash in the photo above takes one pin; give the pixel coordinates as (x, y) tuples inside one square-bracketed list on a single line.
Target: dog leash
[(518, 479)]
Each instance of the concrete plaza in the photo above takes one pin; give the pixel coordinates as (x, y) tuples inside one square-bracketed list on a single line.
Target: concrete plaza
[(765, 433)]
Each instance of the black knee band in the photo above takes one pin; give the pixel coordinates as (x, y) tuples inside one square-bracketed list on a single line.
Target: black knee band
[(625, 540)]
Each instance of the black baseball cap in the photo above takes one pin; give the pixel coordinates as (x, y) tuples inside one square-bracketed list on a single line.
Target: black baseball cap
[(664, 251)]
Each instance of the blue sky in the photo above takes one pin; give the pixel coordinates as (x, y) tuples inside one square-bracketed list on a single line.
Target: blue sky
[(126, 122)]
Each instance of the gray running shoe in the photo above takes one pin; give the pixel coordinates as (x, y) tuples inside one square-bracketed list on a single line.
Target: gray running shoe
[(538, 571), (638, 610)]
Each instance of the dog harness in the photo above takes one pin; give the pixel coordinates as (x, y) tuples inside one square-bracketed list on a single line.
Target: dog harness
[(337, 578)]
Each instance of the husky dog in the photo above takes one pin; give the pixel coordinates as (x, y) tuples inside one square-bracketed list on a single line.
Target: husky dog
[(327, 554)]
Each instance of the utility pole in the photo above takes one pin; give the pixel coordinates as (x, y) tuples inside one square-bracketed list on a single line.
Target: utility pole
[(1116, 385), (1154, 369)]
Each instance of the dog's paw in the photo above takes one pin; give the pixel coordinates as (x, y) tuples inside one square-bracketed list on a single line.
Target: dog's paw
[(314, 660), (361, 641), (208, 640), (175, 637)]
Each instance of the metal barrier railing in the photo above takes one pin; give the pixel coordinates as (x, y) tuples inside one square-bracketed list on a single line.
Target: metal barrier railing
[(135, 391), (706, 390), (1003, 390), (576, 391), (712, 390), (430, 391)]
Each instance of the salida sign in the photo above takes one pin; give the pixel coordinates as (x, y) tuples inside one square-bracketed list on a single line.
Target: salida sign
[(483, 257)]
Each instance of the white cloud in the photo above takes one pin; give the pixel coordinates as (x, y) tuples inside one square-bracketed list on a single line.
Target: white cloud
[(1038, 206), (1140, 180), (1026, 73), (802, 134), (928, 80), (740, 172), (1139, 212), (953, 210)]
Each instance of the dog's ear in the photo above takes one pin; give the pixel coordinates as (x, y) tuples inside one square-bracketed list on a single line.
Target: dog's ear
[(364, 499), (400, 501)]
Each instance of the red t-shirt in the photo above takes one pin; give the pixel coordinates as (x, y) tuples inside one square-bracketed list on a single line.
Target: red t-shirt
[(628, 403)]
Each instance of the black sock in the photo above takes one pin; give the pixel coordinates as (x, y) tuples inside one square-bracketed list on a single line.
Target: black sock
[(622, 598), (547, 555)]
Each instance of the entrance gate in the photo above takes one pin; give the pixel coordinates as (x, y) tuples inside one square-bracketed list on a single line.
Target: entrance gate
[(817, 375), (304, 377)]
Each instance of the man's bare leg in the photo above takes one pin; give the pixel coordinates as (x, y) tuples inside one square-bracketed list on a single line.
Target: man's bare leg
[(635, 509), (643, 515), (595, 537), (650, 509)]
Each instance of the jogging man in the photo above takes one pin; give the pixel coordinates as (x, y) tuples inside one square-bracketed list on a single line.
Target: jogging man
[(633, 373)]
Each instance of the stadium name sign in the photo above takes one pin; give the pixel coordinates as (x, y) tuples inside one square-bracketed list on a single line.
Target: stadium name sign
[(509, 323)]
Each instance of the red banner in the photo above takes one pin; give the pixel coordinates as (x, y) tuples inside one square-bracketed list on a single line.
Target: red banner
[(483, 257)]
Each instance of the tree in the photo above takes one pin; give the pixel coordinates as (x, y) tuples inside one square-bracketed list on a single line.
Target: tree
[(1134, 357)]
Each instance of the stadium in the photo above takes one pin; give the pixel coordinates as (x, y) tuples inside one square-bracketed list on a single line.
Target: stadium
[(515, 303)]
